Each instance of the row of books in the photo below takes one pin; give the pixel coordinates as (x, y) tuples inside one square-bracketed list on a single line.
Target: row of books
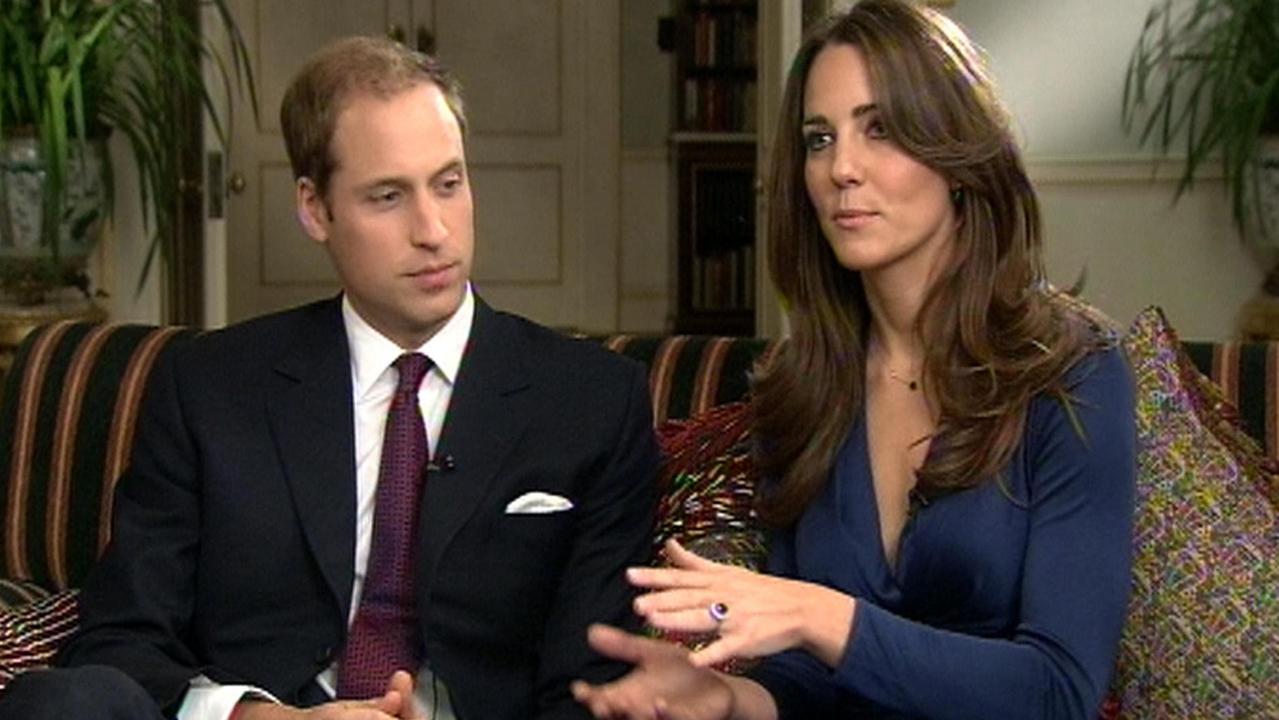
[(724, 40), (724, 281), (719, 105), (742, 4)]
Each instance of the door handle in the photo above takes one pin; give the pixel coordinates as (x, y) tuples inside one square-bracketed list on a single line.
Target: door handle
[(236, 183)]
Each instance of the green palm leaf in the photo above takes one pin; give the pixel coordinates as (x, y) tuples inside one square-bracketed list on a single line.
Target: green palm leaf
[(74, 69)]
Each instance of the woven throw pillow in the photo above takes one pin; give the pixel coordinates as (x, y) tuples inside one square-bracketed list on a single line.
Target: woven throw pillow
[(1202, 634), (706, 487), (706, 497), (31, 634)]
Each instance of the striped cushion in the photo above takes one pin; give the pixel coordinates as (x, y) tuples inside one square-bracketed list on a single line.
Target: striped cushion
[(66, 427), (29, 636)]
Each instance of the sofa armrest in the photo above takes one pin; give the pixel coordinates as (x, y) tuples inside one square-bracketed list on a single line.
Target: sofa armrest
[(30, 634)]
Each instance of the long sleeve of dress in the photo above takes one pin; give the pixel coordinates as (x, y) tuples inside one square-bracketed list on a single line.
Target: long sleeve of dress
[(1056, 657)]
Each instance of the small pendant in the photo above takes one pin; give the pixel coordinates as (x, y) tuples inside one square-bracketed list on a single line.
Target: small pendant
[(913, 385)]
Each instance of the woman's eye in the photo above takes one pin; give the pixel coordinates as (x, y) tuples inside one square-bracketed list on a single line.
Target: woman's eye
[(815, 140), (876, 130)]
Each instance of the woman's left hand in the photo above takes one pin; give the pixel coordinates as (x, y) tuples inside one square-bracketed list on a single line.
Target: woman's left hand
[(753, 614)]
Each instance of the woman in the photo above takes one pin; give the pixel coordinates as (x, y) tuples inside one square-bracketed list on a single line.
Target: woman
[(949, 444)]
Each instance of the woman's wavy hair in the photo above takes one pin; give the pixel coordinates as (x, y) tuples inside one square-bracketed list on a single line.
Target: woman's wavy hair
[(993, 332)]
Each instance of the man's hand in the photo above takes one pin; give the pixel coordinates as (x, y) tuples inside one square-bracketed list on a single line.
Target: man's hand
[(664, 684), (395, 704)]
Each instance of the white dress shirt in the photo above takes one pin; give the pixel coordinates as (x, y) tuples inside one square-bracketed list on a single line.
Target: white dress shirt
[(373, 381)]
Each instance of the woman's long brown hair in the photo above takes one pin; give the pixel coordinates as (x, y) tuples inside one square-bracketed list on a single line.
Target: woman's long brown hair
[(994, 334)]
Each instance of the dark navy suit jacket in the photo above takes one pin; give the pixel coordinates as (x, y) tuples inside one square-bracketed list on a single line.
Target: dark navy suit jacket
[(233, 543)]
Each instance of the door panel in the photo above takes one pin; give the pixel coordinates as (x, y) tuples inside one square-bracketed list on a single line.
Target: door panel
[(517, 97)]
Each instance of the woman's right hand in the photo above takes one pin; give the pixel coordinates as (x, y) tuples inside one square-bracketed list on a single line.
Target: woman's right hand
[(664, 685)]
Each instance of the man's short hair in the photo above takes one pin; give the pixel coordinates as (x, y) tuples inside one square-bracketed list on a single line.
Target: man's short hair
[(336, 73)]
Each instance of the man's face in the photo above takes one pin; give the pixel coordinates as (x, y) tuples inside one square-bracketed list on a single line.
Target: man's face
[(397, 220)]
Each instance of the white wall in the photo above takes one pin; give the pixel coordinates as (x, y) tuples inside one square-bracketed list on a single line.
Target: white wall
[(116, 264), (1060, 65)]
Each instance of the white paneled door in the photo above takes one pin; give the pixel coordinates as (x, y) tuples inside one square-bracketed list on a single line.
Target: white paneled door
[(541, 83)]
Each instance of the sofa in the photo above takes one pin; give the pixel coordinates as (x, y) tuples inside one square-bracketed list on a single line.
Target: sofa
[(68, 406)]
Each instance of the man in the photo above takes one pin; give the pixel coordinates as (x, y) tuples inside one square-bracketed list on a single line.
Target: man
[(253, 519)]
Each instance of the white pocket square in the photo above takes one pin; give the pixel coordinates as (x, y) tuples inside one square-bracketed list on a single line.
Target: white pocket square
[(538, 503)]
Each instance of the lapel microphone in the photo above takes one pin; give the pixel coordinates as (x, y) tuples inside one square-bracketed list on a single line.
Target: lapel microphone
[(445, 464)]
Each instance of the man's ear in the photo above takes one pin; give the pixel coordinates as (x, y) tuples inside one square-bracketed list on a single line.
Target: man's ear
[(312, 212)]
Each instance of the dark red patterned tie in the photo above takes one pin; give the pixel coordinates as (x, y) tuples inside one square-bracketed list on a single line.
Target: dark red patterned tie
[(384, 637)]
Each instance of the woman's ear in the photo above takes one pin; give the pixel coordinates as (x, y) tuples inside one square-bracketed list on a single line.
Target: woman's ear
[(313, 213)]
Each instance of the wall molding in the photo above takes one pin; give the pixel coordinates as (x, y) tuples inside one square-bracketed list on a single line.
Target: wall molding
[(1132, 169)]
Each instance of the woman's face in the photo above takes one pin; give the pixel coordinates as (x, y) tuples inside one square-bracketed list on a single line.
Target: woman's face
[(878, 207)]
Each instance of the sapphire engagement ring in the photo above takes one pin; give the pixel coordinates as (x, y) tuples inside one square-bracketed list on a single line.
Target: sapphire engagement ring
[(718, 612)]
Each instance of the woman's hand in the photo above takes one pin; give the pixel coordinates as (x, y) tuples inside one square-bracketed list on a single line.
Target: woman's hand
[(753, 614), (664, 685)]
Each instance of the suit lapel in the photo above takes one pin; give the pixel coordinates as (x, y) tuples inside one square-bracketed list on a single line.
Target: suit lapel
[(487, 413), (311, 420)]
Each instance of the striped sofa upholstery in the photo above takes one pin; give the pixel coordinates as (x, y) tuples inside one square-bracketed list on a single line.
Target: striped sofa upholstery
[(66, 426), (68, 406), (688, 375), (1248, 375)]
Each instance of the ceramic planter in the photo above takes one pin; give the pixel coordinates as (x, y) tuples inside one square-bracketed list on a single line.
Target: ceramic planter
[(25, 254), (1267, 189)]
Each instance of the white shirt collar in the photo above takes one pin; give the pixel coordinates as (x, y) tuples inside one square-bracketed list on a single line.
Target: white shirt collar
[(372, 352)]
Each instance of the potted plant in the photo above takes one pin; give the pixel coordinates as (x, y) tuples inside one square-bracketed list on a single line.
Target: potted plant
[(1204, 76), (72, 71)]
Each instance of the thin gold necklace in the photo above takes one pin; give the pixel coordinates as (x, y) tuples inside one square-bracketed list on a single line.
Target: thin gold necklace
[(910, 384)]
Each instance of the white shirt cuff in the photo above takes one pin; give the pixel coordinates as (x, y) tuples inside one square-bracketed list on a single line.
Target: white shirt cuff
[(207, 700)]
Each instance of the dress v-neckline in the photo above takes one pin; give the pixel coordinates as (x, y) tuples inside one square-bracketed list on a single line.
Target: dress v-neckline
[(889, 569)]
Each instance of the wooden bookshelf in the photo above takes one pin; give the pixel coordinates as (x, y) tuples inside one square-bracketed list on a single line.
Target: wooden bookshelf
[(713, 151), (716, 45), (716, 237)]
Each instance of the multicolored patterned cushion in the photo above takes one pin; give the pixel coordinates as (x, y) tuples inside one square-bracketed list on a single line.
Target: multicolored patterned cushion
[(1202, 635), (31, 634), (706, 491), (706, 487)]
